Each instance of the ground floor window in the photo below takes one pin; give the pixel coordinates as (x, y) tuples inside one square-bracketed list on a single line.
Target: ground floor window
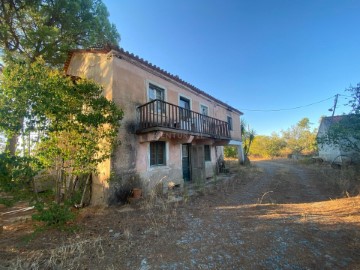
[(207, 152), (157, 153)]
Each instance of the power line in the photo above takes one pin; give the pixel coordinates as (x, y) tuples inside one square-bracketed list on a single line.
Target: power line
[(287, 109)]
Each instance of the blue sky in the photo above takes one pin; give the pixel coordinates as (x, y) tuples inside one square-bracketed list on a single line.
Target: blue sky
[(251, 54)]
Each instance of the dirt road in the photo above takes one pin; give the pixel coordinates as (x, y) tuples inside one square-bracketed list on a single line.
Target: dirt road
[(278, 215)]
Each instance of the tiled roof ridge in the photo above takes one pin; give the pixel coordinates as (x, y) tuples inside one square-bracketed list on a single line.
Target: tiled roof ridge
[(336, 118), (108, 48)]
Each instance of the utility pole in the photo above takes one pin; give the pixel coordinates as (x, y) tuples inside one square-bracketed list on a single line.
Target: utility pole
[(335, 103)]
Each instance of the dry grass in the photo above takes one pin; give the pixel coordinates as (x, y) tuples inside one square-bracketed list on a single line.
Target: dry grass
[(339, 211), (345, 181), (66, 256)]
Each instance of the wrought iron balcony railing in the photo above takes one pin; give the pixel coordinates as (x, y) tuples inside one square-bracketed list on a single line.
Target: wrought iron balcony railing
[(161, 114)]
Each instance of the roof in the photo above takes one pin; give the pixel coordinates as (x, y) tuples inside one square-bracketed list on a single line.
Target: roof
[(346, 119), (121, 53), (329, 120)]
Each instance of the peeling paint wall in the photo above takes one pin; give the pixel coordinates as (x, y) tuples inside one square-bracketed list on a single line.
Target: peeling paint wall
[(126, 83)]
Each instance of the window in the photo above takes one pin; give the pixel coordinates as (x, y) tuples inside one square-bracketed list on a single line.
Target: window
[(156, 92), (185, 104), (204, 110), (157, 153), (229, 120), (207, 153)]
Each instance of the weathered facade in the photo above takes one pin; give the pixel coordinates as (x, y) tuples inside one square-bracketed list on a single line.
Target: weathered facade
[(171, 132)]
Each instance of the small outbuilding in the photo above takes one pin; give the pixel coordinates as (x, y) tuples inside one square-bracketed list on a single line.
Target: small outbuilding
[(344, 145)]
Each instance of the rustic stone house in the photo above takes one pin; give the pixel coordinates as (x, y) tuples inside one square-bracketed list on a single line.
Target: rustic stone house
[(172, 132)]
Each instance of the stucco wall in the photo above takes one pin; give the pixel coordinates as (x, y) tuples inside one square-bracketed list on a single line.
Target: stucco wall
[(98, 67), (127, 85)]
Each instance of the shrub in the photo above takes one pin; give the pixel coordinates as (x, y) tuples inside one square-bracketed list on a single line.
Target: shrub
[(54, 214), (16, 172), (230, 151)]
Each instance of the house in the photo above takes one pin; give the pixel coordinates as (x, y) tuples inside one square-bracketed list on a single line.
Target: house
[(172, 132), (347, 144)]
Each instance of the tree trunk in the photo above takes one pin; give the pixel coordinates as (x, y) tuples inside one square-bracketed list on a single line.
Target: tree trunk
[(11, 144), (84, 191)]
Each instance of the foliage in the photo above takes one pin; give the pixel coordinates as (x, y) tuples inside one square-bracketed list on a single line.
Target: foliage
[(8, 202), (50, 28), (248, 136), (53, 214), (346, 131), (230, 151), (354, 102), (300, 138), (268, 146), (75, 125), (16, 172)]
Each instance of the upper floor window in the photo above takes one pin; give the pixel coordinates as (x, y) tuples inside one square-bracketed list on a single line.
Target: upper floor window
[(204, 110), (229, 120), (156, 92), (157, 153), (184, 104), (207, 152)]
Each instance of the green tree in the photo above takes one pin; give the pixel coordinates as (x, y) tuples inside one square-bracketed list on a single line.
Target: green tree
[(354, 102), (346, 132), (275, 146), (300, 138), (248, 136), (268, 146), (49, 29), (230, 151), (77, 126), (259, 146)]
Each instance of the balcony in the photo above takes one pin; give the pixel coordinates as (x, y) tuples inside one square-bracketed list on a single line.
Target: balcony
[(158, 115)]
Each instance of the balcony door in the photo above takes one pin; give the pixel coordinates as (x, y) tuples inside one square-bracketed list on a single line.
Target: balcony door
[(185, 114)]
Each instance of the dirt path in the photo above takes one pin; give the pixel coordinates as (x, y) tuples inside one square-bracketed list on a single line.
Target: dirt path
[(278, 217)]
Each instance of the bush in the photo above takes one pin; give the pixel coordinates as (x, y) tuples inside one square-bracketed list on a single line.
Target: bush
[(16, 172), (230, 151), (54, 214)]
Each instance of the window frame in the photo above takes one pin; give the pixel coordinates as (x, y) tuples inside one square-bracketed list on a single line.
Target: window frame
[(157, 158), (159, 107), (207, 153), (152, 86), (201, 109), (230, 122), (185, 113)]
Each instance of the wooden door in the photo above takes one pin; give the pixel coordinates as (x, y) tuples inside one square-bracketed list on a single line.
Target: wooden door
[(197, 163)]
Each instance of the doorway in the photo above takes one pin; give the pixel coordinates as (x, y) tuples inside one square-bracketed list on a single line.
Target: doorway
[(185, 114), (185, 149), (197, 163)]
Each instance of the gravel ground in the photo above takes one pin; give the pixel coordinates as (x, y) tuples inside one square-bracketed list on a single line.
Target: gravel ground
[(274, 215)]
